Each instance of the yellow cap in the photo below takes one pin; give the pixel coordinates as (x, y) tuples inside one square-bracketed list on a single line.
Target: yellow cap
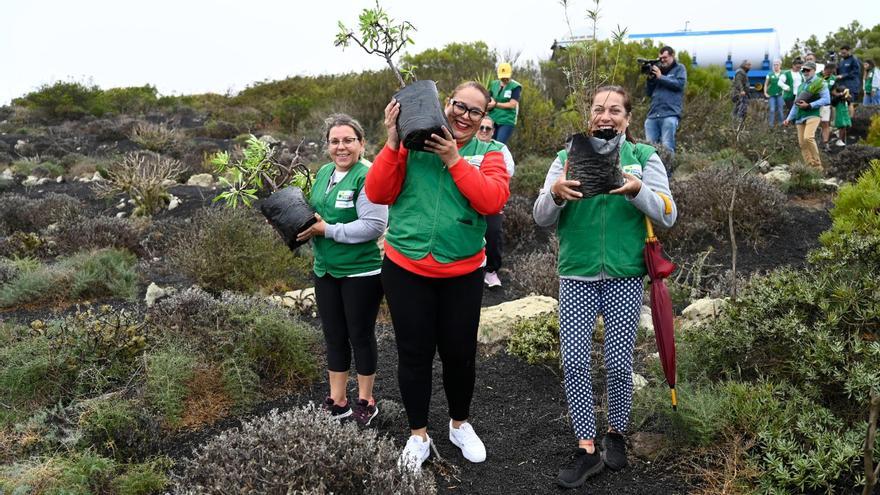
[(504, 70)]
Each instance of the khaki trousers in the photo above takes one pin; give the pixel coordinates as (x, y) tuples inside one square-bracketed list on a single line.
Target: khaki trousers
[(807, 141)]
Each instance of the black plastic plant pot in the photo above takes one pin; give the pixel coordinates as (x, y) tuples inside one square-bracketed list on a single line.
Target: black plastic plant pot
[(420, 114), (807, 96), (289, 212), (597, 170)]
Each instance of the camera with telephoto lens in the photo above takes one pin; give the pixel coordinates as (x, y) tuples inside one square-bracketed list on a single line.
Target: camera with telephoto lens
[(646, 66)]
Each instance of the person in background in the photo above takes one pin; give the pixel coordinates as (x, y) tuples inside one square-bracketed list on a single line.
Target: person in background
[(773, 89), (665, 86), (825, 112), (494, 223), (740, 91), (348, 288), (811, 57), (805, 114), (840, 98), (504, 105), (872, 84), (601, 271), (849, 72), (792, 79), (434, 257)]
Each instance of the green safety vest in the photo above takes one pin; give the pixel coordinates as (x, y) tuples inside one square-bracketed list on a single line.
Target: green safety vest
[(773, 88), (814, 86), (869, 76), (789, 93), (431, 215), (339, 205), (604, 233), (503, 116)]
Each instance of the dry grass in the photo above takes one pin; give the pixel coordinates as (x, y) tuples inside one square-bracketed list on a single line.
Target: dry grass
[(723, 469), (207, 401)]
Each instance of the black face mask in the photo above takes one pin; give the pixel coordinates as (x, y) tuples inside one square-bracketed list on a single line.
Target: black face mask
[(606, 134)]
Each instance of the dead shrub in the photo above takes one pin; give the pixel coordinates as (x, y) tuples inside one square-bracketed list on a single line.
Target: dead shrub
[(852, 161), (535, 272), (327, 457), (99, 232), (703, 201), (519, 225), (155, 137), (207, 400), (20, 213), (142, 177)]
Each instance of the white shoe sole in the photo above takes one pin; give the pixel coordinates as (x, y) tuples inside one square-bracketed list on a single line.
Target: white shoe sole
[(460, 446)]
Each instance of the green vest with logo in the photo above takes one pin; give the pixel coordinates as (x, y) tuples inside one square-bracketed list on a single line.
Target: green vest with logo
[(789, 93), (503, 116), (869, 76), (773, 88), (431, 215), (604, 233), (814, 86), (339, 205)]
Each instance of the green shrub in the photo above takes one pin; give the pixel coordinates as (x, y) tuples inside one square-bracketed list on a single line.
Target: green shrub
[(530, 173), (536, 340), (263, 452), (83, 474), (235, 249), (26, 377), (873, 138), (37, 168), (144, 178), (132, 100), (856, 208), (168, 372), (804, 180), (63, 100), (20, 213), (116, 428), (158, 138)]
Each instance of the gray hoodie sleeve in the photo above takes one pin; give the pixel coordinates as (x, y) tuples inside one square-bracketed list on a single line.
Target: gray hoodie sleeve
[(371, 222), (654, 198), (546, 211), (662, 212)]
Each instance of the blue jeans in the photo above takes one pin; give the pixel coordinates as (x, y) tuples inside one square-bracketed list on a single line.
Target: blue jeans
[(502, 133), (776, 107), (871, 100), (662, 130)]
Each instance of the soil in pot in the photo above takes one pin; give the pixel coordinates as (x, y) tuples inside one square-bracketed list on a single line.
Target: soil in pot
[(595, 163), (289, 212), (420, 114)]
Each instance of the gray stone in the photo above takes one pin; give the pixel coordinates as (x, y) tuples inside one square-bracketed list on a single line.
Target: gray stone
[(174, 203), (646, 445), (269, 139), (645, 321), (59, 179), (639, 382), (7, 174), (700, 311), (96, 177), (830, 184), (121, 214), (30, 181), (201, 180), (778, 176), (302, 300), (496, 322), (154, 293), (44, 180)]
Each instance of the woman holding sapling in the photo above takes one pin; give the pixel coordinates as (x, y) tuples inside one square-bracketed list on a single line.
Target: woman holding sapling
[(348, 288), (434, 257), (601, 270)]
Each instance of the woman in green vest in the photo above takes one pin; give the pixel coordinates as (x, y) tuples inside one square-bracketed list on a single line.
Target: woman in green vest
[(348, 287), (601, 271), (773, 89), (434, 258)]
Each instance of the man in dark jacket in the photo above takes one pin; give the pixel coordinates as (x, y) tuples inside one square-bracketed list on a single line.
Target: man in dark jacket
[(665, 86), (740, 90), (849, 70)]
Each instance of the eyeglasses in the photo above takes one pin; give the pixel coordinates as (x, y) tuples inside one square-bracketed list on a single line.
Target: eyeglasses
[(486, 128), (346, 141), (806, 70), (474, 113)]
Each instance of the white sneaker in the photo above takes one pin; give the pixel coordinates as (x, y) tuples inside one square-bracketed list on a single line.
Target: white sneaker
[(491, 279), (414, 454), (465, 438), (839, 143)]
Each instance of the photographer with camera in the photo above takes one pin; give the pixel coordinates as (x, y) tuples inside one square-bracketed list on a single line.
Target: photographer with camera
[(665, 86)]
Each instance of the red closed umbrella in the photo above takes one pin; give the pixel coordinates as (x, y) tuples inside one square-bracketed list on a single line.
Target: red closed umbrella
[(661, 306)]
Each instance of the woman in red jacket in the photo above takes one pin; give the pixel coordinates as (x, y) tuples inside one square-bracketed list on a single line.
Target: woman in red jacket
[(434, 258)]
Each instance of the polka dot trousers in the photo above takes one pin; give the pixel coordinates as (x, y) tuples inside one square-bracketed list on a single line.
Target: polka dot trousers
[(619, 301)]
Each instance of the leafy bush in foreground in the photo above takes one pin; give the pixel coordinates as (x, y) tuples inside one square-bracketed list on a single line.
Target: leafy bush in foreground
[(234, 249), (326, 457), (536, 340)]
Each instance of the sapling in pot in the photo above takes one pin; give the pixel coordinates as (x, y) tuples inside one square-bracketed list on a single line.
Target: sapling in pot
[(594, 160), (287, 206), (420, 111)]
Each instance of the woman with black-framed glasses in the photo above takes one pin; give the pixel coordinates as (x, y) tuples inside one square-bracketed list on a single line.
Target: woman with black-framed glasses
[(434, 258)]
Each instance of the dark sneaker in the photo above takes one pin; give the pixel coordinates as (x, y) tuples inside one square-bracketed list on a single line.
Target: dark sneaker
[(364, 412), (336, 411), (580, 467), (614, 450)]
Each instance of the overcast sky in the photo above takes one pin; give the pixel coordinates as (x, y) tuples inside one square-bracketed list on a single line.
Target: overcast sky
[(190, 46)]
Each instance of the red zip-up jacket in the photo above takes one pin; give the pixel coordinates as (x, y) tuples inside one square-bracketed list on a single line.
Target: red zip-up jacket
[(486, 189)]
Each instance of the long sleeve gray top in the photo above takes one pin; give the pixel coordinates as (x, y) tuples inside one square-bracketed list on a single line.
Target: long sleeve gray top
[(648, 201), (371, 222)]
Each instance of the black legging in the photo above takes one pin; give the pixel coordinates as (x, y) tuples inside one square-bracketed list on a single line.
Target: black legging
[(494, 241), (433, 315), (348, 307)]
